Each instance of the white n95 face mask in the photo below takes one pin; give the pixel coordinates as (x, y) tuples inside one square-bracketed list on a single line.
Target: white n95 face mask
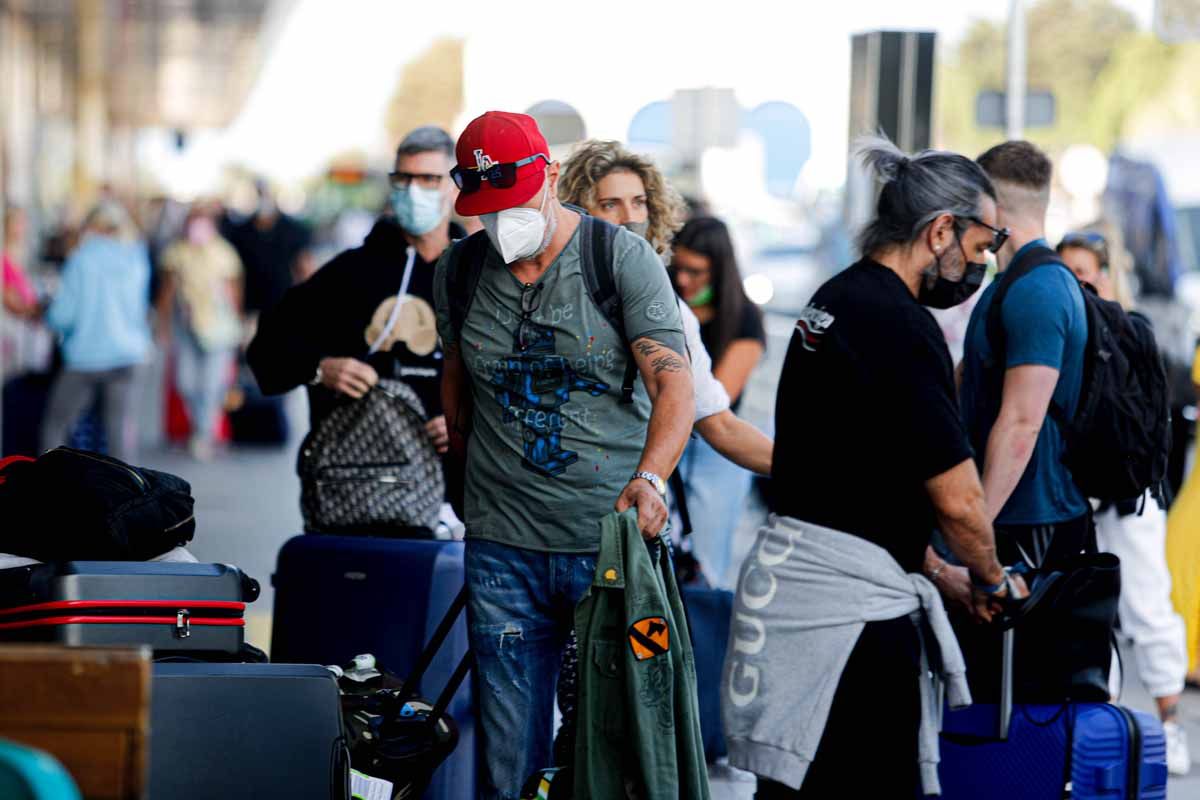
[(519, 233)]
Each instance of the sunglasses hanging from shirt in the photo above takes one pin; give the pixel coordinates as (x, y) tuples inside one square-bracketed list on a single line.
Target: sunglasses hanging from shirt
[(499, 176)]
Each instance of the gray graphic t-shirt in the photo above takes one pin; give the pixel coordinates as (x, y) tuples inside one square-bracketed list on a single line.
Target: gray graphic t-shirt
[(551, 447)]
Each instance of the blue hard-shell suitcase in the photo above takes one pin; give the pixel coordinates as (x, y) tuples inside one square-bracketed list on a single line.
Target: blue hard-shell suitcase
[(246, 730), (339, 596), (709, 612), (1099, 750)]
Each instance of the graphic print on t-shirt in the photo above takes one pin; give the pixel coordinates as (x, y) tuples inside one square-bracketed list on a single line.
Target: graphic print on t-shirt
[(813, 323), (532, 385)]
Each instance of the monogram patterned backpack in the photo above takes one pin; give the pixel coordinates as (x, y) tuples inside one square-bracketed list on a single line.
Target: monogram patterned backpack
[(369, 469)]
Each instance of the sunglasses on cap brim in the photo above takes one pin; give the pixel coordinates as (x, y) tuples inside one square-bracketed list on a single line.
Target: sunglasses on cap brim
[(498, 176)]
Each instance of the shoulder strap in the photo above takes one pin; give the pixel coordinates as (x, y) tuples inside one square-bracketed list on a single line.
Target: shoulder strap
[(462, 276), (596, 262), (1019, 268)]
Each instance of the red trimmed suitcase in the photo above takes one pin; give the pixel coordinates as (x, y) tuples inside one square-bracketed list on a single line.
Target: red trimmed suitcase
[(175, 608)]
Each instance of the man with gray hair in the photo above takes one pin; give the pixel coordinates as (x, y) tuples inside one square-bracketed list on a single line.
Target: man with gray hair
[(331, 332)]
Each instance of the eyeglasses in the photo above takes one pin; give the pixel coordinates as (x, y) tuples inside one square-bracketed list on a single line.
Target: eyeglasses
[(531, 299), (426, 180), (999, 235), (499, 176)]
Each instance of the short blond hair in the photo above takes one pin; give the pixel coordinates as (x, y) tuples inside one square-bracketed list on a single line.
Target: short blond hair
[(594, 160)]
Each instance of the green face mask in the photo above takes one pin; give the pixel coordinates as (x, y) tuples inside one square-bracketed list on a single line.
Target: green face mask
[(702, 298)]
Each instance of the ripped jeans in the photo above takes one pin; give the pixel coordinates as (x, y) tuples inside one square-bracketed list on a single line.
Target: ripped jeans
[(520, 611)]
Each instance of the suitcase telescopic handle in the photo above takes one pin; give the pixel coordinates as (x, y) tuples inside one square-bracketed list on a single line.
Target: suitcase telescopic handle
[(409, 689)]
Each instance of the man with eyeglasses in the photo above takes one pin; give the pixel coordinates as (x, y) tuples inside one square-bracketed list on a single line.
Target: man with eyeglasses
[(534, 377), (1013, 373), (331, 332)]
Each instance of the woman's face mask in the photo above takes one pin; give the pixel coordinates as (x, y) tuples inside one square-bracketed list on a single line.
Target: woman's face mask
[(520, 234), (638, 228)]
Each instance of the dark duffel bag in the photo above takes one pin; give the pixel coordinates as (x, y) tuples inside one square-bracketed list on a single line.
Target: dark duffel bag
[(73, 505)]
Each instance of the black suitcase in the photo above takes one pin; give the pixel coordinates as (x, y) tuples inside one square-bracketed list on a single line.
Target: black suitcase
[(175, 608), (246, 731)]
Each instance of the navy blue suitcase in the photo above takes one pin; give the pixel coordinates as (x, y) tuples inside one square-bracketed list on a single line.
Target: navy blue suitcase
[(339, 596), (246, 731), (709, 612), (1086, 751)]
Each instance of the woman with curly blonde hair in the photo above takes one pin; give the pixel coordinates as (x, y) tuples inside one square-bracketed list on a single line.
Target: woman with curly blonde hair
[(619, 186), (624, 188)]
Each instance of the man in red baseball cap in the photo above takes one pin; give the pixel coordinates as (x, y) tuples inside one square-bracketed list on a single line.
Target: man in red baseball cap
[(539, 372)]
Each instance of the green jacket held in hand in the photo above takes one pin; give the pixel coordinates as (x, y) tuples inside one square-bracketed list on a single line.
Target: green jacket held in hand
[(639, 722)]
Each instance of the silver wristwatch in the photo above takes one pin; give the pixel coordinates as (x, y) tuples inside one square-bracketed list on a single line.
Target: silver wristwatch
[(658, 483), (316, 381)]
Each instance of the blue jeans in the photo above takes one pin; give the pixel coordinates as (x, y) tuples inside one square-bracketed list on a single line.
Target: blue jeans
[(716, 496), (520, 610)]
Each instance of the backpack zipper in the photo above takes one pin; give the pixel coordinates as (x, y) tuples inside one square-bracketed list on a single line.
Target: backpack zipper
[(387, 479), (138, 479)]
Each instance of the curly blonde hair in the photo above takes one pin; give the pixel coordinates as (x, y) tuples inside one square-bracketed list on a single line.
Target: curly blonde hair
[(595, 159)]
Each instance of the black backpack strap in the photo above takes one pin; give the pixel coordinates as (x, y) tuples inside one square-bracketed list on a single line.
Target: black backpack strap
[(596, 263), (679, 492), (462, 276), (1031, 258)]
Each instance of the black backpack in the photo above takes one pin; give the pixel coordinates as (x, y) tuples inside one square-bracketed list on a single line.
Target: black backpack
[(596, 256), (1118, 443), (73, 505)]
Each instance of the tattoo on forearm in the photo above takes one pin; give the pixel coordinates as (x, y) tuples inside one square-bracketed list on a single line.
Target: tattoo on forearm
[(667, 363), (662, 358)]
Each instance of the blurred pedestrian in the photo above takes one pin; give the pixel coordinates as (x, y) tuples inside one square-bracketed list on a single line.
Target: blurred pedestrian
[(1136, 532), (274, 251), (826, 683), (1041, 516), (19, 295), (101, 313), (199, 306), (706, 276), (1183, 557)]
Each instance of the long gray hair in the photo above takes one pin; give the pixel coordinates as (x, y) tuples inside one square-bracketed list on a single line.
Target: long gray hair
[(916, 190)]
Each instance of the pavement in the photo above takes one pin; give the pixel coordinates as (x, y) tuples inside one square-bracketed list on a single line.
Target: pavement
[(247, 506)]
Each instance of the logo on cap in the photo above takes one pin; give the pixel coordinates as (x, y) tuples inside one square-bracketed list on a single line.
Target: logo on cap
[(482, 160)]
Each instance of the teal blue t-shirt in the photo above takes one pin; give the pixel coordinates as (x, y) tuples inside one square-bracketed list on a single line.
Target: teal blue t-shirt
[(1045, 323)]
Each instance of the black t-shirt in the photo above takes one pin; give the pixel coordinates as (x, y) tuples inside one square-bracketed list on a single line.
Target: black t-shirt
[(268, 257), (750, 326), (336, 311), (866, 414)]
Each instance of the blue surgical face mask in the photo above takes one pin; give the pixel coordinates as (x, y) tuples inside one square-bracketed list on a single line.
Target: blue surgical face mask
[(418, 210)]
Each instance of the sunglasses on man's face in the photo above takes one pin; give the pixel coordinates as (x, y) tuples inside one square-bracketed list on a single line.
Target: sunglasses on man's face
[(498, 176), (999, 235)]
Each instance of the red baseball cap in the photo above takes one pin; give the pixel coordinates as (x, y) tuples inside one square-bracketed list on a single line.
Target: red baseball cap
[(500, 137)]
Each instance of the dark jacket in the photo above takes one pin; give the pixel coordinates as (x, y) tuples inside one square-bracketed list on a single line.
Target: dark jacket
[(639, 722), (329, 315)]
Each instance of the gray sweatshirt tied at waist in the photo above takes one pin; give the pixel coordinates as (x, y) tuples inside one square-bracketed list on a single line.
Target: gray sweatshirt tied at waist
[(804, 595)]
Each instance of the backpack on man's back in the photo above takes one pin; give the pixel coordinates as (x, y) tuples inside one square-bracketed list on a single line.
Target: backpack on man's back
[(1118, 442)]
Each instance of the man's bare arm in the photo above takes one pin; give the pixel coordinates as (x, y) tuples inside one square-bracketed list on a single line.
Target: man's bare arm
[(456, 399), (1027, 393)]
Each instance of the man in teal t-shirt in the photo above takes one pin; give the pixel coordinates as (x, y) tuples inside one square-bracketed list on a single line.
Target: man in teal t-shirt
[(532, 391), (1040, 515)]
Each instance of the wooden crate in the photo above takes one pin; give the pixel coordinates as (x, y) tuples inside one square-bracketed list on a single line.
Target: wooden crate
[(89, 707)]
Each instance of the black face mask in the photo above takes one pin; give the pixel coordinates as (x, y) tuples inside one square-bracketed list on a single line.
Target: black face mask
[(947, 293)]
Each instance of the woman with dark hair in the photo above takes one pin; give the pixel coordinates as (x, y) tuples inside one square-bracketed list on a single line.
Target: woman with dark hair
[(706, 275), (827, 670)]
